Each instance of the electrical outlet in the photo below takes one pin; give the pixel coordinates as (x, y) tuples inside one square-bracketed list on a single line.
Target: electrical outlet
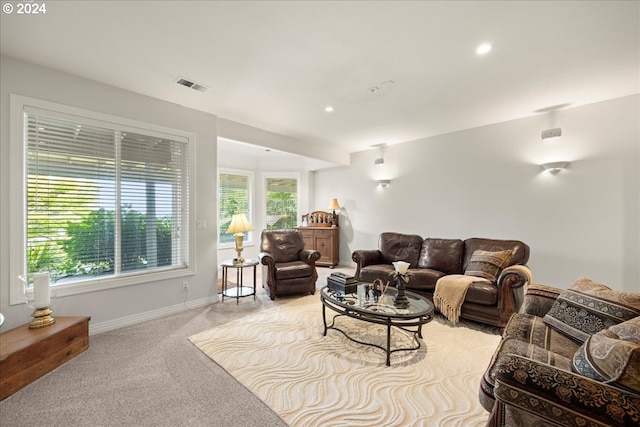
[(185, 286)]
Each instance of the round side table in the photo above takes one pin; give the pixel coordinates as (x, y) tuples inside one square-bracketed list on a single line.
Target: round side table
[(240, 290)]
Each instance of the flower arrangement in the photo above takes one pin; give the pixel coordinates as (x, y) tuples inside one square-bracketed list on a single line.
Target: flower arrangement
[(401, 271), (401, 276)]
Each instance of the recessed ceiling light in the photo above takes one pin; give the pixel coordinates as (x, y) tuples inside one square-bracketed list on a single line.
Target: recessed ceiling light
[(328, 109), (483, 49)]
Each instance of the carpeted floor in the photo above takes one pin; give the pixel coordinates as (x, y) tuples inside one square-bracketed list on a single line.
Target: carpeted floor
[(148, 375), (311, 380)]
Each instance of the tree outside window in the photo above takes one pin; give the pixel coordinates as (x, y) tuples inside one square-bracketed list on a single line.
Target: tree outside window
[(234, 197), (282, 202)]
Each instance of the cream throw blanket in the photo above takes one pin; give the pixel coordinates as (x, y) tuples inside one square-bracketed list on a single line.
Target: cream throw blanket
[(450, 293), (451, 290)]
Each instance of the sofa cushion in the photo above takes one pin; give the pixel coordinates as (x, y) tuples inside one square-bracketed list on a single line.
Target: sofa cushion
[(400, 247), (487, 265), (283, 245), (482, 293), (531, 329), (588, 307), (628, 331), (424, 279), (442, 255), (539, 299), (376, 271), (293, 270), (519, 255), (609, 360)]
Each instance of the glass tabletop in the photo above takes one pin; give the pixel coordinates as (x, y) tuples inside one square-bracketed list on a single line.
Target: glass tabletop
[(237, 264), (358, 301)]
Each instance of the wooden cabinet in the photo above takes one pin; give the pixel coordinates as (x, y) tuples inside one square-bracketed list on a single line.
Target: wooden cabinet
[(27, 354), (325, 240)]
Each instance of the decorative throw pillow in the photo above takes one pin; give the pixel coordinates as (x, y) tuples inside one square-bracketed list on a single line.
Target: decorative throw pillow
[(609, 360), (628, 331), (588, 307), (487, 264)]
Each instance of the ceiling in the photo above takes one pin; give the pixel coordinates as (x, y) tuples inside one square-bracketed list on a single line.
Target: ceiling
[(277, 65)]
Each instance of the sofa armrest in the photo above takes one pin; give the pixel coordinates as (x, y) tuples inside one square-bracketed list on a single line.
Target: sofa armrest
[(269, 274), (560, 397), (364, 257), (514, 276), (510, 284), (539, 299), (267, 259), (310, 256)]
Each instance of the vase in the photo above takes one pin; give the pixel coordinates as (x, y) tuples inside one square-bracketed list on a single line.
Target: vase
[(401, 300)]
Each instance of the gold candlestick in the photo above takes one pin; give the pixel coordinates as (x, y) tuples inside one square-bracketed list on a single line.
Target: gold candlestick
[(41, 318)]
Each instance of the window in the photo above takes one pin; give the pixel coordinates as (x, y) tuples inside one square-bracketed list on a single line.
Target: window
[(281, 201), (102, 199), (234, 196)]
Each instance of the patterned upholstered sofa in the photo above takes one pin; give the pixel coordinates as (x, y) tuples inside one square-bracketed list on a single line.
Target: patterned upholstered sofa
[(568, 358)]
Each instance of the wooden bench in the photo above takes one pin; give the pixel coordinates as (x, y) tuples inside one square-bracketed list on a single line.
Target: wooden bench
[(27, 354)]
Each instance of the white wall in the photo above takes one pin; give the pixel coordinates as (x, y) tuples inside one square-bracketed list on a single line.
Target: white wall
[(116, 307), (487, 182)]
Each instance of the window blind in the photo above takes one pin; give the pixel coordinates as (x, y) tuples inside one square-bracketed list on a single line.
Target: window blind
[(102, 200), (233, 197)]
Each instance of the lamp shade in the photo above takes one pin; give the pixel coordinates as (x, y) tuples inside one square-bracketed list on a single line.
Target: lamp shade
[(333, 204), (239, 224)]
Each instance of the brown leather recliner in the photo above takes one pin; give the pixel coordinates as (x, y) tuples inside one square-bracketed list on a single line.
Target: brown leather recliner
[(290, 269)]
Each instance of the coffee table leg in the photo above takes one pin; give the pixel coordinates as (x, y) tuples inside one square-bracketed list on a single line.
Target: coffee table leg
[(324, 320), (389, 343)]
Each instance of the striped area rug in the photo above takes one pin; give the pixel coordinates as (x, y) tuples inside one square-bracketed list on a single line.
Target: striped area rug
[(310, 380)]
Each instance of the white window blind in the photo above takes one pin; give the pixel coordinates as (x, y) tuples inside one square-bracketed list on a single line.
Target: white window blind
[(234, 196), (102, 200)]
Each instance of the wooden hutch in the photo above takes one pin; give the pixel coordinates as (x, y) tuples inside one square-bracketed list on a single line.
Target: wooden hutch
[(320, 231)]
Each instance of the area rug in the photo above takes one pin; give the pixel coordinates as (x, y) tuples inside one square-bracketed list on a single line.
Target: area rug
[(309, 379)]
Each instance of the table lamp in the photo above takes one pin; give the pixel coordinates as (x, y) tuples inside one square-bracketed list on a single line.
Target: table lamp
[(333, 205), (239, 225)]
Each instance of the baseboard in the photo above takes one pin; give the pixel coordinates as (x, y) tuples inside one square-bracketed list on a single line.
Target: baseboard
[(97, 328)]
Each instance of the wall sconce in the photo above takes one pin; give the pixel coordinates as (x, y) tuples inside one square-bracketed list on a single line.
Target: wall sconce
[(384, 182), (554, 167), (551, 133), (380, 160)]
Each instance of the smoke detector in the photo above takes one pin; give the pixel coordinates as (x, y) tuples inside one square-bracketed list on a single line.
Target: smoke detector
[(191, 84)]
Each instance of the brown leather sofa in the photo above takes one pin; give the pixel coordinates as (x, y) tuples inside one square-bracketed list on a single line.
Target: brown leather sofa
[(492, 303), (290, 269)]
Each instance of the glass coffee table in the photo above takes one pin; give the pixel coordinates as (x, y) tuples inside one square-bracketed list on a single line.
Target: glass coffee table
[(358, 306)]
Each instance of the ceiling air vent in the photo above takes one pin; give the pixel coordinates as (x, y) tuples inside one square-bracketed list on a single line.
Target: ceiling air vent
[(190, 83)]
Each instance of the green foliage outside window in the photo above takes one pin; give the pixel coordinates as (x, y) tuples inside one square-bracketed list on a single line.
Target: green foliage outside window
[(87, 246), (233, 199), (282, 208)]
